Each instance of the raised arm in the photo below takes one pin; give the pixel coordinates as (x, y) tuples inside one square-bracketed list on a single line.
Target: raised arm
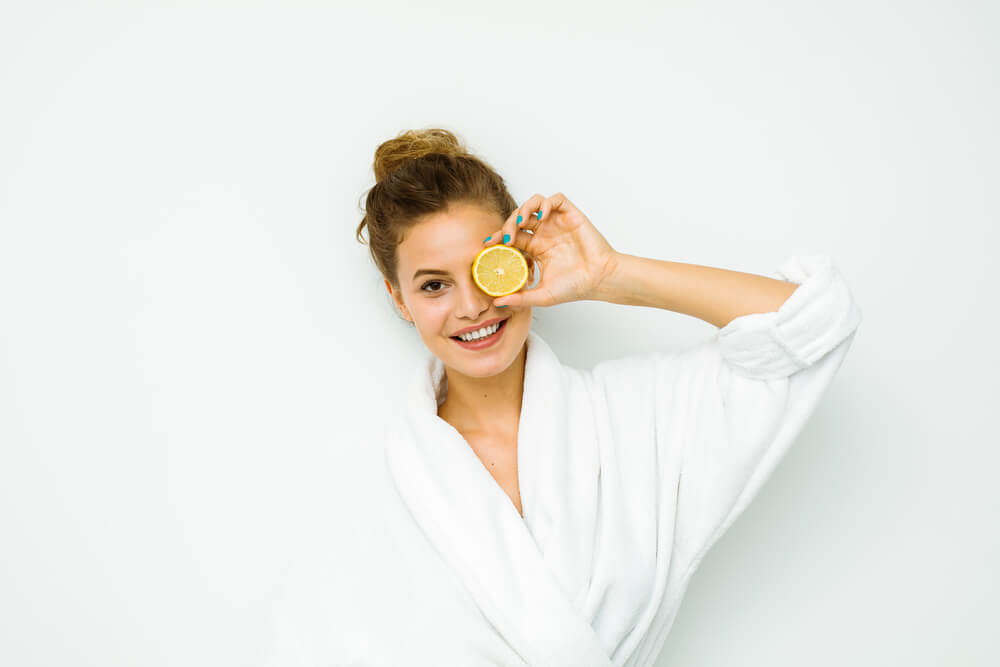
[(717, 296)]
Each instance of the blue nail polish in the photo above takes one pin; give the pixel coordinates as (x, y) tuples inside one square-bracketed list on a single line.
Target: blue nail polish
[(487, 239), (506, 237), (518, 219), (501, 306), (539, 215)]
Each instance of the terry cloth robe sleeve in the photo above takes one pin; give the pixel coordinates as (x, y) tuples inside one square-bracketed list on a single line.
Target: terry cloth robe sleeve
[(719, 417), (756, 385)]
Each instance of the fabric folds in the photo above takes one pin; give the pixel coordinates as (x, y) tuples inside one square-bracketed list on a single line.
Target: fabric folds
[(817, 317), (628, 472)]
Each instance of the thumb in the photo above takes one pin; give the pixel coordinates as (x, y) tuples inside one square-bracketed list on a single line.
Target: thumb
[(521, 298), (518, 299), (508, 300)]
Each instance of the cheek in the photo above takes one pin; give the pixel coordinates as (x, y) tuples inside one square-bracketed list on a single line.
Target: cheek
[(520, 322), (435, 315)]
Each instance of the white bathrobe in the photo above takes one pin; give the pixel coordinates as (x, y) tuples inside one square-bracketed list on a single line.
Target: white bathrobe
[(628, 474)]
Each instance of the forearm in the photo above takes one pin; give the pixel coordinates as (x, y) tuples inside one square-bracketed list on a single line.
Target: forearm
[(716, 296)]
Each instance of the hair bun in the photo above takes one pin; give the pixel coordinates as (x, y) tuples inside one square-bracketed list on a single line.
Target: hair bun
[(413, 144)]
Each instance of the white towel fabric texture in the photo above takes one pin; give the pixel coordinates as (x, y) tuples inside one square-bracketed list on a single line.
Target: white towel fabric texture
[(628, 474)]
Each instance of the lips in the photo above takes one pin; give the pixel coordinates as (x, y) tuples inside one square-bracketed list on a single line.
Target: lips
[(481, 326), (503, 323)]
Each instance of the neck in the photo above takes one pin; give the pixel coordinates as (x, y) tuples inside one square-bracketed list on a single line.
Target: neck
[(490, 404)]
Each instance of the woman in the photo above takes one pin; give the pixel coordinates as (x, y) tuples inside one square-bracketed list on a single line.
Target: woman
[(532, 513)]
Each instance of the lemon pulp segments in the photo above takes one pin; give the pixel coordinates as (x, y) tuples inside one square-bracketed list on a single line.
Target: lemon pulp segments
[(500, 270)]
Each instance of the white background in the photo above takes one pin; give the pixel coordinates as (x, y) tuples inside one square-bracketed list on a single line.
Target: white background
[(194, 347)]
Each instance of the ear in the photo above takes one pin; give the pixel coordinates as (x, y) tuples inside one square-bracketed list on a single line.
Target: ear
[(400, 306)]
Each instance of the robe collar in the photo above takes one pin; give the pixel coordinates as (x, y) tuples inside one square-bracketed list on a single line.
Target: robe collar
[(475, 527)]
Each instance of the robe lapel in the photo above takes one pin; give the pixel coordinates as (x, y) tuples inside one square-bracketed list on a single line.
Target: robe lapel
[(475, 527)]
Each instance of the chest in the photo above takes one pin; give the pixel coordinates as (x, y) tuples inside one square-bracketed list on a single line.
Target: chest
[(498, 453)]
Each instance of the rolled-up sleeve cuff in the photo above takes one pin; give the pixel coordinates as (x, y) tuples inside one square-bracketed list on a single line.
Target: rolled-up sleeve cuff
[(819, 315)]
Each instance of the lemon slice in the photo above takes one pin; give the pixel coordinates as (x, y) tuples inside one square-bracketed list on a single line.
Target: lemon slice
[(500, 270)]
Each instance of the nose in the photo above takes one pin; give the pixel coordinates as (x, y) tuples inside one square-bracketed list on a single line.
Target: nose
[(473, 301)]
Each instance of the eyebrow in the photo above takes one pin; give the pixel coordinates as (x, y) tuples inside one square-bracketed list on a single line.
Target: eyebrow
[(435, 272)]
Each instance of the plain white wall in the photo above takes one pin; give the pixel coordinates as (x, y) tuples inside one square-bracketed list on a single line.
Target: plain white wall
[(193, 346)]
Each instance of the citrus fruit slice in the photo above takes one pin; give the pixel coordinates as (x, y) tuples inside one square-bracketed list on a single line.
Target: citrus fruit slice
[(500, 270)]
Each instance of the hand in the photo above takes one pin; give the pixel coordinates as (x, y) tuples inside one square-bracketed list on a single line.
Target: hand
[(574, 257)]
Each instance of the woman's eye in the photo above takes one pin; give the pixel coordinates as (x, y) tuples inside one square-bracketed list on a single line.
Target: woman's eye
[(431, 282)]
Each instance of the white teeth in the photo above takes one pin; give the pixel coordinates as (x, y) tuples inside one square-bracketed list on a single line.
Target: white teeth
[(482, 333)]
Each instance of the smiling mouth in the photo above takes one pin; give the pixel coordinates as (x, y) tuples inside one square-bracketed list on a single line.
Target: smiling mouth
[(503, 323)]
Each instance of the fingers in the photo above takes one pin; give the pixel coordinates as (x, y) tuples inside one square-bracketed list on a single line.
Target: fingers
[(556, 202), (538, 209), (529, 216), (523, 217), (519, 240)]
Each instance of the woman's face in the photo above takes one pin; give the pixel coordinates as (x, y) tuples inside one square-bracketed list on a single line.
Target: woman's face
[(448, 300)]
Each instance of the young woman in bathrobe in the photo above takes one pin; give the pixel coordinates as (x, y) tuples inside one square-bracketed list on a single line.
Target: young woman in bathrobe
[(531, 513)]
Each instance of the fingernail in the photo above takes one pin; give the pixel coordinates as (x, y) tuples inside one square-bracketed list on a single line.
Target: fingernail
[(539, 215), (506, 238), (501, 306), (487, 239), (519, 219)]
